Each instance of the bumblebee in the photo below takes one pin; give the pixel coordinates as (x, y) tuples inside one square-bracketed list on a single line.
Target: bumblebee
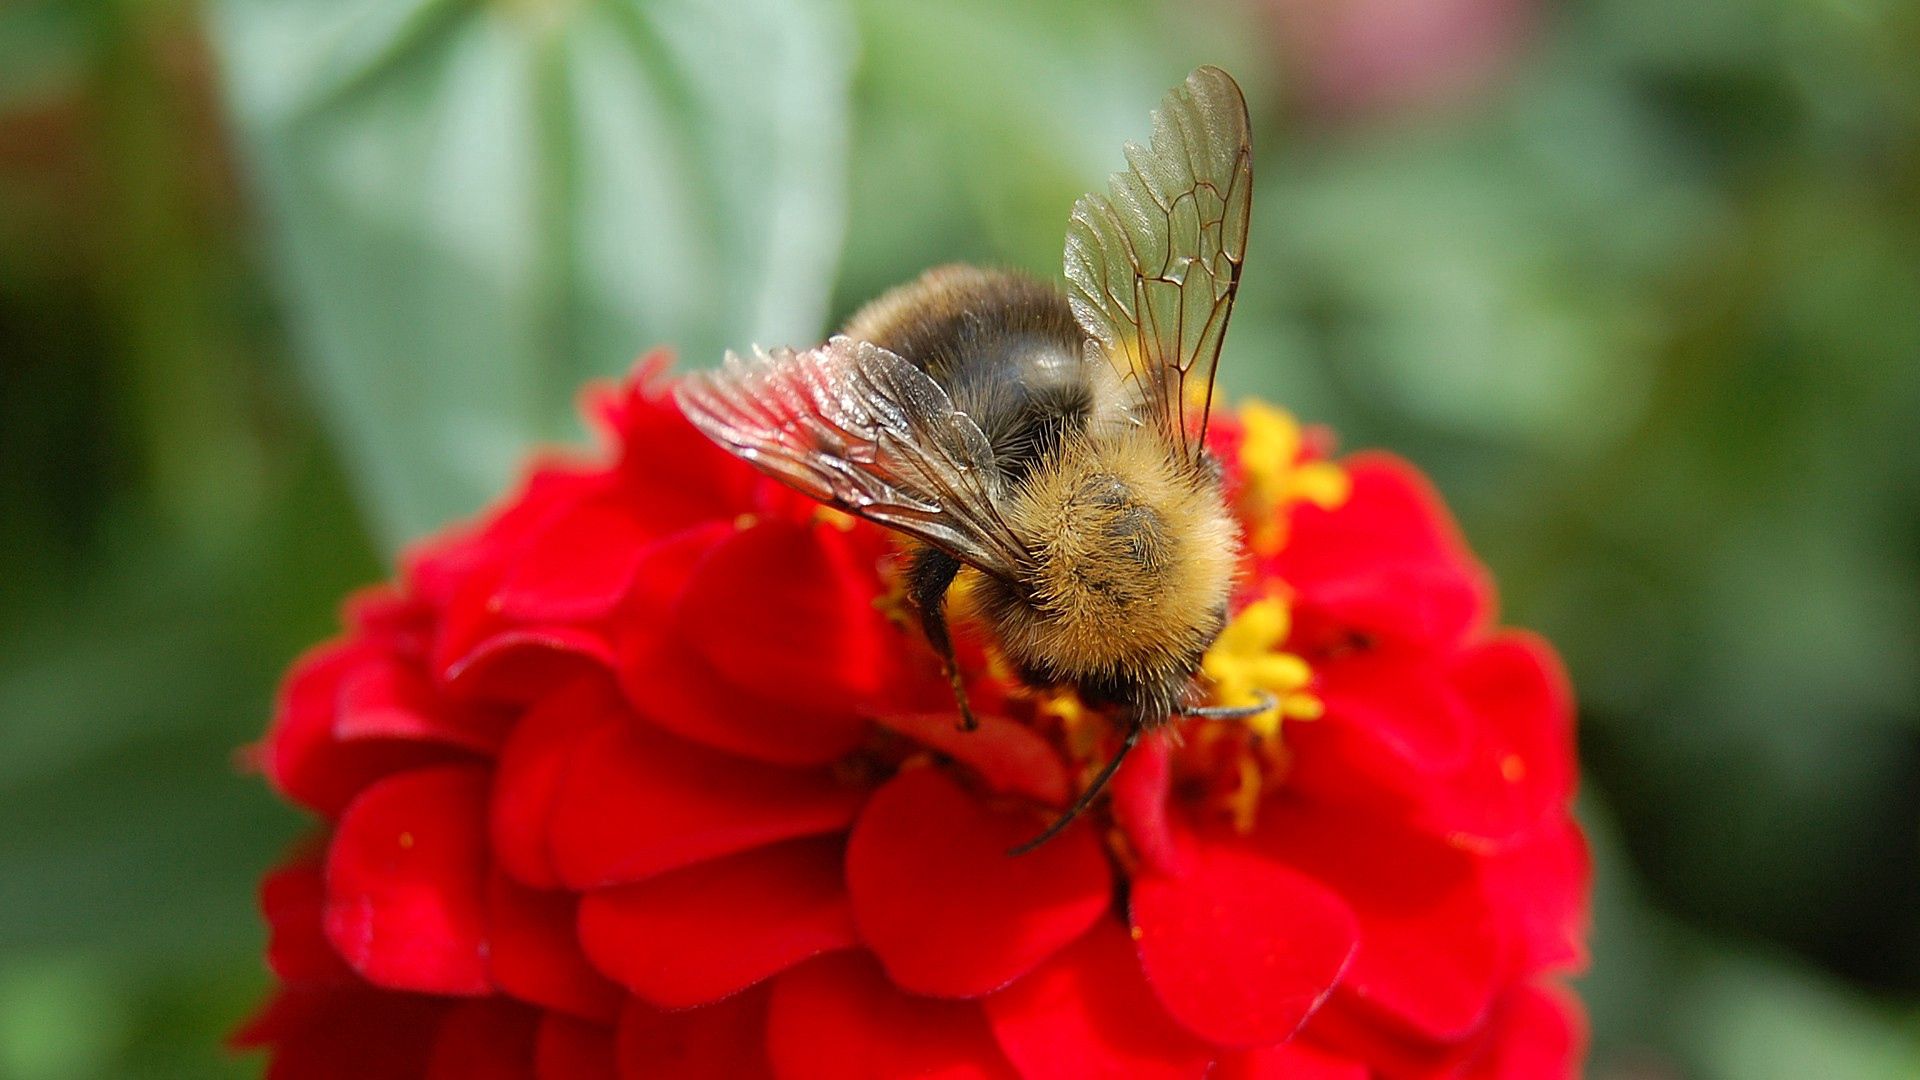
[(1053, 441)]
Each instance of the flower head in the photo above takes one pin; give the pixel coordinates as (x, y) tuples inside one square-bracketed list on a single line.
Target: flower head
[(645, 774)]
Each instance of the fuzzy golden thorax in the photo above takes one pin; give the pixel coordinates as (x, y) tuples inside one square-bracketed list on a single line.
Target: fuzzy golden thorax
[(1133, 556)]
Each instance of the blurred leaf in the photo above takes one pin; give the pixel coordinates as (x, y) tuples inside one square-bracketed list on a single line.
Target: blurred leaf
[(1489, 277), (1669, 1001), (60, 1019), (475, 208), (42, 47), (1756, 1019), (981, 121)]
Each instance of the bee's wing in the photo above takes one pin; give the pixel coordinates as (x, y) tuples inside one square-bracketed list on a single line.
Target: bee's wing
[(1152, 265), (863, 430)]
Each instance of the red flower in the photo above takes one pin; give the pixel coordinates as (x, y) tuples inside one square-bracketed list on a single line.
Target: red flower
[(644, 774)]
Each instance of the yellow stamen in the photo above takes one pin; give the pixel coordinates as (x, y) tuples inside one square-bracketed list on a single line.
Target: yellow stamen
[(1081, 727), (1245, 800), (1274, 477), (1246, 660), (892, 604)]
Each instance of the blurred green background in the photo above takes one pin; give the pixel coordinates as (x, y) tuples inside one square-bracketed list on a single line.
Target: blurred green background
[(284, 283)]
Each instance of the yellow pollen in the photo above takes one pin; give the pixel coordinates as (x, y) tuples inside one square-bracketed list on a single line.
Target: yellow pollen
[(1274, 477), (892, 603), (1247, 660), (1512, 769), (1081, 727), (1245, 800), (746, 521), (406, 840), (1136, 933), (827, 515)]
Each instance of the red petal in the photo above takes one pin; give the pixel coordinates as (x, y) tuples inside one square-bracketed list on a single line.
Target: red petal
[(941, 903), (1389, 1051), (1241, 950), (1540, 891), (486, 1039), (1516, 768), (532, 769), (671, 685), (536, 953), (1389, 560), (520, 665), (1401, 706), (1296, 1060), (353, 1031), (569, 1049), (1523, 769), (723, 1041), (396, 621), (1008, 756), (638, 802), (661, 579), (303, 759), (391, 699), (441, 566), (828, 647), (697, 935), (576, 566), (1088, 1013), (1431, 953), (1425, 607), (293, 898), (483, 655), (468, 618), (1540, 1034), (404, 881), (666, 465), (1138, 798), (838, 1018)]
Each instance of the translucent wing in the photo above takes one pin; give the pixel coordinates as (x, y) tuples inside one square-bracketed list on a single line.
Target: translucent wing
[(863, 430), (1152, 266)]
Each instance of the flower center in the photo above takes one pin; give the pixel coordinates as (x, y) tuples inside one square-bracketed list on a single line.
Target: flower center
[(1230, 765), (1273, 476), (1220, 768)]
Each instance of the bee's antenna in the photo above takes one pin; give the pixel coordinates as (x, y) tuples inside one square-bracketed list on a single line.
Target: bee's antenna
[(1086, 797)]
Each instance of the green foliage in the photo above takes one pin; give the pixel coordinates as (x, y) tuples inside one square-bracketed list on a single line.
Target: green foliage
[(476, 208)]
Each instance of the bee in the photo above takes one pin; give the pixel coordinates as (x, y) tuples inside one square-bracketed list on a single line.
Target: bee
[(1052, 440)]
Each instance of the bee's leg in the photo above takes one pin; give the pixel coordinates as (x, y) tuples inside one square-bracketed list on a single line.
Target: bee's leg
[(1229, 712), (1135, 728), (929, 576)]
